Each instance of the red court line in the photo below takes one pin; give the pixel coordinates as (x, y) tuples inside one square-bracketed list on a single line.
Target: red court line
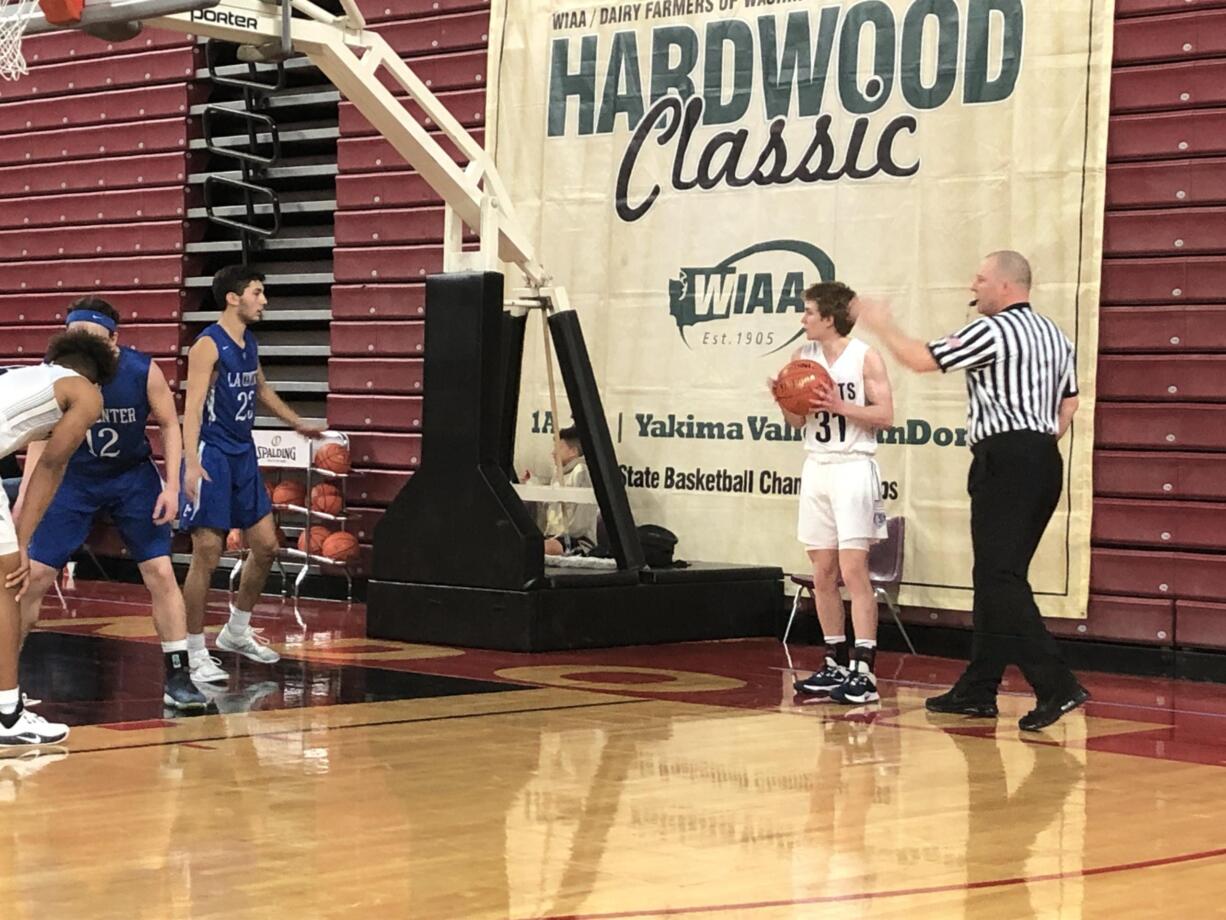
[(898, 892)]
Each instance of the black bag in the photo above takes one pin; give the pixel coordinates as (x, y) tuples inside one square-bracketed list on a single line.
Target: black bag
[(658, 544)]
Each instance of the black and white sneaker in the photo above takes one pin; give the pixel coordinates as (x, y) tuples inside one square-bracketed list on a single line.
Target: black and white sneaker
[(27, 727), (859, 688), (821, 683), (180, 694)]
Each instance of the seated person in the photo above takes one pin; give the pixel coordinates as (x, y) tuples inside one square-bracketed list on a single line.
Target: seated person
[(570, 527)]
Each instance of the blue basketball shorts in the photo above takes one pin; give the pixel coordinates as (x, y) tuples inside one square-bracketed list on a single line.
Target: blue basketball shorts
[(128, 498), (232, 496)]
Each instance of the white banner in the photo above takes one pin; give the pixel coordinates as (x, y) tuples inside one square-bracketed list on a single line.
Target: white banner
[(689, 166)]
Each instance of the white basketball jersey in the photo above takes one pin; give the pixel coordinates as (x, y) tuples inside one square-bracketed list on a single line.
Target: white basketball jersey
[(833, 435), (28, 407)]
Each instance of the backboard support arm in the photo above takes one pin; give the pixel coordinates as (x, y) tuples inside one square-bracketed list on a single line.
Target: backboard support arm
[(354, 58)]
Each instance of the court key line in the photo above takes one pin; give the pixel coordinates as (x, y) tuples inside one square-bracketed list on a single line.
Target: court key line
[(898, 892), (280, 730)]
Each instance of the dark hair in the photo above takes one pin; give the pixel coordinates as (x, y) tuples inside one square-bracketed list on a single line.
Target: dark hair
[(97, 305), (88, 354), (571, 436), (833, 299), (233, 279)]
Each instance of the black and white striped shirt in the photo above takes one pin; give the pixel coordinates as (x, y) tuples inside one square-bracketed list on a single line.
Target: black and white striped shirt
[(1020, 366)]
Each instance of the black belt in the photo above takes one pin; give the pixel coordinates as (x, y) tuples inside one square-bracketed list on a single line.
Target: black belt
[(1020, 434)]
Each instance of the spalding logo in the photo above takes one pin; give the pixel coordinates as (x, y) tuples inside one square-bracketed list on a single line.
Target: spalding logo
[(724, 292)]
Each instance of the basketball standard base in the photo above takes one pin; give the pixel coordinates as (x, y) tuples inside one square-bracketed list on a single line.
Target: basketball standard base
[(583, 610)]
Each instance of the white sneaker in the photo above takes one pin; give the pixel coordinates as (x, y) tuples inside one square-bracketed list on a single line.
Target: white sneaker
[(206, 669), (249, 644), (18, 764), (234, 702), (31, 728)]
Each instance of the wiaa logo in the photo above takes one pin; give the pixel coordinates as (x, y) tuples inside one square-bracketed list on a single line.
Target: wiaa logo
[(729, 291)]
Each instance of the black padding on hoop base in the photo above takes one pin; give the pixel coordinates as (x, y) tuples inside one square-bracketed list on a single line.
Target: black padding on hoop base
[(598, 452), (458, 521), (457, 557), (576, 616)]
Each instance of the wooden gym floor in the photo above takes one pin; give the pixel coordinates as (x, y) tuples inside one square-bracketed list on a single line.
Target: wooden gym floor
[(371, 779)]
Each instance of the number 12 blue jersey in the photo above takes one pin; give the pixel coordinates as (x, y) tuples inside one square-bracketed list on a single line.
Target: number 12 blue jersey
[(229, 410), (117, 441)]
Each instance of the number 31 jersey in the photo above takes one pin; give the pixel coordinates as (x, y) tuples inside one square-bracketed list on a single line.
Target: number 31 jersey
[(229, 410), (827, 434), (117, 441)]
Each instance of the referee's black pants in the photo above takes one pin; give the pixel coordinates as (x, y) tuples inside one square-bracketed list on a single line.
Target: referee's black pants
[(1015, 483)]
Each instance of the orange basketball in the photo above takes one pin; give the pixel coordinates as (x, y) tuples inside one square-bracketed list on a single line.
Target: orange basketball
[(234, 541), (327, 498), (317, 537), (340, 546), (332, 457), (288, 492), (798, 383)]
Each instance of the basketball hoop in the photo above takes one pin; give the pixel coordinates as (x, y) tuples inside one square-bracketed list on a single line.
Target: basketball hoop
[(15, 16), (13, 19)]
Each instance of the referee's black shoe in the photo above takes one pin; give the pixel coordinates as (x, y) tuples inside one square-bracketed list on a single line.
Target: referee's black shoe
[(957, 703), (1050, 710)]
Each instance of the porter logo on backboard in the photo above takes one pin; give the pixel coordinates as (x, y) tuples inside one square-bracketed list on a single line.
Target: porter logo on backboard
[(759, 289)]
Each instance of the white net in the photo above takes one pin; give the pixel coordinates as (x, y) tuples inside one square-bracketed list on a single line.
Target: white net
[(14, 15)]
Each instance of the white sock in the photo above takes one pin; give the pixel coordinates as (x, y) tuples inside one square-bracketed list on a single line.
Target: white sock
[(835, 640), (866, 643), (9, 700), (195, 644), (179, 645), (240, 620)]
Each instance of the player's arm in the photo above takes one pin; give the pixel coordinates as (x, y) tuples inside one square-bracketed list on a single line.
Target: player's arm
[(82, 402), (875, 316), (879, 411), (162, 408), (201, 366), (268, 398), (33, 451), (1068, 408)]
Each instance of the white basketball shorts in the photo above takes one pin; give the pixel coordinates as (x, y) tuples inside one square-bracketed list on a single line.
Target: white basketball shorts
[(8, 532), (840, 504)]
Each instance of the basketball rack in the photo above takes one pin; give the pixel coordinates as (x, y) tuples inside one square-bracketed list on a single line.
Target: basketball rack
[(303, 517)]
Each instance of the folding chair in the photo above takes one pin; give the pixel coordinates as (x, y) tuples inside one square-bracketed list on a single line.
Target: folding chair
[(884, 572)]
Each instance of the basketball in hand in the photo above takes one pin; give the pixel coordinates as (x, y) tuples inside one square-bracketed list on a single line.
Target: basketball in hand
[(798, 384)]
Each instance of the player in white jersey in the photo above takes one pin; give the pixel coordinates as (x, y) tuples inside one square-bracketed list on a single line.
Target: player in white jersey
[(58, 401), (841, 513)]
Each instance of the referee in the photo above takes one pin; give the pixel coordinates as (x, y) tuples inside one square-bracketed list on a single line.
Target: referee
[(1022, 388)]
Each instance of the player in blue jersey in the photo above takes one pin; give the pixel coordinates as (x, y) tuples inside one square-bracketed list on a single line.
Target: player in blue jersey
[(221, 480), (113, 471)]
